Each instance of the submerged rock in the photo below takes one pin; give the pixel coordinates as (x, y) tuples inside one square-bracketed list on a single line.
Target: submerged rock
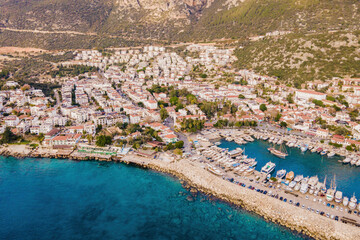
[(190, 198)]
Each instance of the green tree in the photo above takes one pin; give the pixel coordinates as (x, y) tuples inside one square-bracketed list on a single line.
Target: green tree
[(179, 144), (163, 114), (278, 116), (349, 148), (174, 100), (283, 124), (330, 98), (178, 152), (8, 136), (342, 131), (318, 103), (98, 128), (263, 107), (290, 98), (103, 140)]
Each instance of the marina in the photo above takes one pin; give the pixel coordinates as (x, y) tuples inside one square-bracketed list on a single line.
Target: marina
[(307, 164)]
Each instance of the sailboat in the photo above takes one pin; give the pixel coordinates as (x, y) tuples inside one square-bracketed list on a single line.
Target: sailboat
[(323, 187), (281, 152), (331, 191)]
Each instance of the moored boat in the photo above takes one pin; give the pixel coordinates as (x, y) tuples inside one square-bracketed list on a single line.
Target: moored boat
[(298, 178), (345, 201), (214, 170), (290, 176), (279, 153), (353, 201), (338, 196), (347, 160), (268, 168), (331, 154), (292, 184), (330, 194), (281, 173), (304, 188)]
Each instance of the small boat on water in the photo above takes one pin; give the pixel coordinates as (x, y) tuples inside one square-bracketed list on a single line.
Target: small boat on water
[(353, 161), (298, 178), (331, 154), (268, 168), (297, 187), (319, 150), (323, 187), (281, 173), (358, 163), (313, 181), (324, 152), (292, 184), (290, 176), (304, 148), (330, 193), (338, 196), (281, 152), (353, 201), (304, 188), (346, 201), (347, 160)]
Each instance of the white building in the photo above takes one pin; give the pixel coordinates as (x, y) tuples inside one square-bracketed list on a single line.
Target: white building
[(308, 94)]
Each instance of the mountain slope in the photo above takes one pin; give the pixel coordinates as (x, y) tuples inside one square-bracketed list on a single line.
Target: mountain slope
[(180, 19)]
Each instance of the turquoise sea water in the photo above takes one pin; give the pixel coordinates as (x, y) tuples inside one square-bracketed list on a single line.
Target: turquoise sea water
[(62, 199), (308, 164)]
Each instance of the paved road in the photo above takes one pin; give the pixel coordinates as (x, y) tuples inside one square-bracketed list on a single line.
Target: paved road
[(269, 127), (169, 122), (57, 96)]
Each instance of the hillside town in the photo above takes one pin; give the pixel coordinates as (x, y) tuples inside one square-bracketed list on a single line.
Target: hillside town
[(162, 108), (197, 87)]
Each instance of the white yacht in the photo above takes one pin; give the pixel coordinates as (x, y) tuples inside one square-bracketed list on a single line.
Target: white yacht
[(338, 197), (311, 190), (353, 201), (346, 201), (304, 188), (313, 181), (331, 154), (268, 168), (330, 194), (297, 187), (292, 184), (298, 178), (304, 148), (281, 173), (347, 160)]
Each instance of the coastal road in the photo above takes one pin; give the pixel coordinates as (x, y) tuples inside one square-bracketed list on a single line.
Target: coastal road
[(269, 127)]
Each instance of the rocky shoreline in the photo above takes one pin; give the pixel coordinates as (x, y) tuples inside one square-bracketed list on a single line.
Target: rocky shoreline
[(296, 219)]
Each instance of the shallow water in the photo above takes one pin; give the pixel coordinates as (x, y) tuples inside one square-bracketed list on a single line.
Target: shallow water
[(62, 199), (308, 164)]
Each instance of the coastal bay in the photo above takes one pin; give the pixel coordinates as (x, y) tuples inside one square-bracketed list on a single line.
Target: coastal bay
[(44, 198)]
